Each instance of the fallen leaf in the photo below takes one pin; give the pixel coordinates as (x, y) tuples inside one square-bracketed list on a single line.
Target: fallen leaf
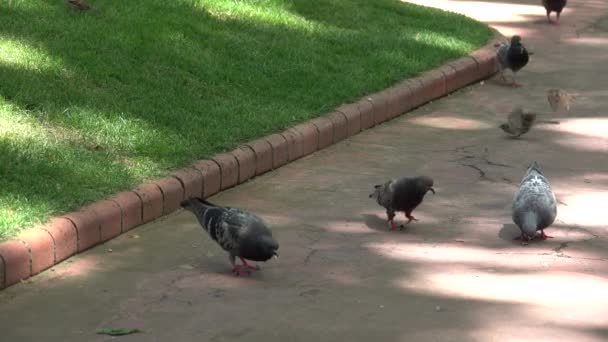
[(117, 331)]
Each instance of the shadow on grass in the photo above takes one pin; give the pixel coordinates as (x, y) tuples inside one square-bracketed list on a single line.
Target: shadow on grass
[(163, 83)]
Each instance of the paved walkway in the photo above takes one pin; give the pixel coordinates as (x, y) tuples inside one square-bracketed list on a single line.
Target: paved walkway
[(453, 276)]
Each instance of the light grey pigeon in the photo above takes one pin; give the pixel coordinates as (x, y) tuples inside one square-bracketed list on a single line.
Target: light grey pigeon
[(240, 233), (534, 204), (403, 194)]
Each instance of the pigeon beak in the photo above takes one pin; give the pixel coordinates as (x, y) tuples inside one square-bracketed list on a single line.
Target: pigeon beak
[(276, 255), (433, 190)]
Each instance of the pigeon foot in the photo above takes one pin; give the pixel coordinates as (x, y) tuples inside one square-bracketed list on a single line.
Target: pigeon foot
[(516, 85), (241, 270), (523, 238), (251, 267), (392, 224), (545, 236), (410, 218)]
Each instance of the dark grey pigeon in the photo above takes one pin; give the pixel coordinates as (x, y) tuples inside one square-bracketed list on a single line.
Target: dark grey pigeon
[(240, 233), (403, 194), (534, 204), (512, 56), (554, 6)]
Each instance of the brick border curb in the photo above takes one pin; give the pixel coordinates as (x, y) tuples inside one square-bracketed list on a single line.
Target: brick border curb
[(40, 248)]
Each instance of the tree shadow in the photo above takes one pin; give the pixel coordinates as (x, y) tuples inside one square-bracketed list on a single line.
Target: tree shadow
[(163, 91)]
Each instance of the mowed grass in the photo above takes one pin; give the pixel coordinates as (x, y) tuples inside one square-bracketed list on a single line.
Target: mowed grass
[(95, 103)]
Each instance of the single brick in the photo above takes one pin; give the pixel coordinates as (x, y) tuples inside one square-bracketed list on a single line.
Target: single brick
[(65, 238), (310, 137), (353, 118), (366, 111), (326, 131), (245, 158), (294, 144), (151, 201), (2, 272), (263, 155), (130, 208), (279, 150), (173, 194), (466, 71), (41, 248), (229, 169), (392, 102), (417, 92), (487, 61), (192, 181), (212, 179), (379, 107), (87, 228), (16, 259), (433, 83), (338, 121), (402, 95), (110, 218), (449, 73)]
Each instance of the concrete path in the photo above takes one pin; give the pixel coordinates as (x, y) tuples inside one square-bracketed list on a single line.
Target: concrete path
[(455, 275)]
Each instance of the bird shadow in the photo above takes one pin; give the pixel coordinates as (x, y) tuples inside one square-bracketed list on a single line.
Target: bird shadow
[(508, 232), (374, 222)]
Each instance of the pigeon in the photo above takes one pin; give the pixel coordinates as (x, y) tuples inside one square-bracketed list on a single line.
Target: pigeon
[(240, 233), (534, 204), (518, 122), (403, 194), (554, 6), (560, 99), (79, 5), (512, 56)]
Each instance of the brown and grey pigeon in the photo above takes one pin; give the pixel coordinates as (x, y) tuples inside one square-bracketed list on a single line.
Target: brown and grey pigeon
[(560, 99), (554, 6), (403, 194), (534, 204), (240, 233), (518, 122)]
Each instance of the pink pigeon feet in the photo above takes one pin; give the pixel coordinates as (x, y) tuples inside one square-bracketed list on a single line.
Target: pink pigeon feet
[(545, 236), (410, 218), (241, 270), (524, 239), (392, 224), (254, 267), (514, 84), (244, 269)]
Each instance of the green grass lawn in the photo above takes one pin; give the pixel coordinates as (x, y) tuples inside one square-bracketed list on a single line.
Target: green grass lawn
[(95, 103)]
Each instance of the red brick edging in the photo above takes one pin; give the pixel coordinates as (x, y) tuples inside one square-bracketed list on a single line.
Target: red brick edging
[(39, 248)]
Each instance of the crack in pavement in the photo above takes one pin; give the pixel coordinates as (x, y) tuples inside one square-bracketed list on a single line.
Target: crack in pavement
[(311, 252)]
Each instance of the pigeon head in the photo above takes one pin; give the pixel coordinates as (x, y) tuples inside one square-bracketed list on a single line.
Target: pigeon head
[(262, 249), (534, 167), (425, 183), (516, 40), (378, 188)]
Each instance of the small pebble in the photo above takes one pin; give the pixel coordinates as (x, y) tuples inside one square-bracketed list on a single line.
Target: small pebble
[(437, 308), (110, 250)]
